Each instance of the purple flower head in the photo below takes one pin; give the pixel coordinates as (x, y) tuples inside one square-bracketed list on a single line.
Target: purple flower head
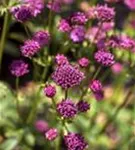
[(78, 18), (50, 91), (96, 86), (19, 68), (67, 109), (126, 42), (77, 34), (101, 44), (30, 48), (117, 68), (107, 26), (54, 6), (42, 37), (22, 13), (51, 134), (75, 141), (104, 13), (99, 95), (64, 26), (113, 42), (104, 58), (67, 76), (94, 35), (130, 4), (35, 5), (84, 62), (60, 59), (83, 106), (41, 126), (97, 89)]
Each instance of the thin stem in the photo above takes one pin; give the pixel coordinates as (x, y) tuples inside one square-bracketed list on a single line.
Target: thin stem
[(115, 114), (66, 93), (3, 36), (96, 73), (33, 111), (17, 100), (27, 31), (44, 73)]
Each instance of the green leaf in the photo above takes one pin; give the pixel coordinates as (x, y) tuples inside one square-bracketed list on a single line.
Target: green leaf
[(9, 144)]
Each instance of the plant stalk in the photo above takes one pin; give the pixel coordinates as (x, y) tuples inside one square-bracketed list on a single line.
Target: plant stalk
[(3, 36)]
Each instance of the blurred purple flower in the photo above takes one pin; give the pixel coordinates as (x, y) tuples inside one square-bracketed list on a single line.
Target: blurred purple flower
[(117, 68), (83, 106), (22, 13), (19, 68), (130, 4), (97, 89), (77, 34), (104, 13), (41, 126), (35, 5), (78, 18), (60, 59), (64, 26), (42, 37), (54, 5), (84, 62), (51, 134)]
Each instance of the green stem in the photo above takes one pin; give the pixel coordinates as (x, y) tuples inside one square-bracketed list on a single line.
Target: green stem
[(66, 93), (33, 111), (3, 36), (96, 73), (17, 88)]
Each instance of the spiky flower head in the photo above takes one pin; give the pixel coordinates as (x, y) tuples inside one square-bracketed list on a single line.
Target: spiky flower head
[(60, 59), (22, 13), (30, 48), (67, 109), (19, 68), (50, 91), (97, 88), (78, 18), (67, 76), (42, 37), (75, 141), (83, 106), (36, 6), (54, 6), (104, 58), (84, 62), (51, 134), (77, 34), (104, 13), (64, 26)]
